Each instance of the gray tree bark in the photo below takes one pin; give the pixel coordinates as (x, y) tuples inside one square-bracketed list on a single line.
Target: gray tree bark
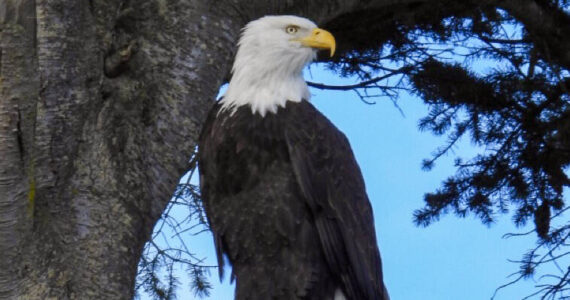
[(101, 103), (100, 107)]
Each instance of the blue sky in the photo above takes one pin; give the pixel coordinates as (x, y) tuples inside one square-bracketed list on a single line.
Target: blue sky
[(451, 259)]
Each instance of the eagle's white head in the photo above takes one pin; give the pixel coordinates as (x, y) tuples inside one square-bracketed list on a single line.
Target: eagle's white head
[(272, 53)]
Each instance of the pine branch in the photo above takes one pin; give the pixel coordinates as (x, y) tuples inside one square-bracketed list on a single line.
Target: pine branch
[(364, 84)]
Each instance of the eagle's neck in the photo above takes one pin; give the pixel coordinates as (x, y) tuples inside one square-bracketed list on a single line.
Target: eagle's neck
[(266, 80)]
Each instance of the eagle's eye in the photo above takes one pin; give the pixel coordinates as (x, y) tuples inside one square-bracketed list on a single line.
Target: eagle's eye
[(292, 29)]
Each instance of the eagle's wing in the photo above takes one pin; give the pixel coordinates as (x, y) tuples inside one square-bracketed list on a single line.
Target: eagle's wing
[(332, 184), (207, 140)]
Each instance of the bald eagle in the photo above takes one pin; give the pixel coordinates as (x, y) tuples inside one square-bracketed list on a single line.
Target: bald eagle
[(283, 194)]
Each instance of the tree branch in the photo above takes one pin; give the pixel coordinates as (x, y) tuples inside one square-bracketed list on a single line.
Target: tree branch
[(363, 84)]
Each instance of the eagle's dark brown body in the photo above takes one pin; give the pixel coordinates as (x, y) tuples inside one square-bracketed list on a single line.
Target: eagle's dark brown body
[(287, 204)]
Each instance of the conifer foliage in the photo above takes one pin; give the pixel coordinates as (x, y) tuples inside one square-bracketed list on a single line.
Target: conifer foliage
[(496, 73)]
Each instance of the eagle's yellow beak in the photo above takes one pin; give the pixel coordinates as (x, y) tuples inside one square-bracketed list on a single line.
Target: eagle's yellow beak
[(319, 39)]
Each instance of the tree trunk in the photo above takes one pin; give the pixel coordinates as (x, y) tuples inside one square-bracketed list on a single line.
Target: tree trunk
[(101, 103)]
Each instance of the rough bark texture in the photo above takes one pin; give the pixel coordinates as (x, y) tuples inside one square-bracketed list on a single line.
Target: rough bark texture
[(101, 102)]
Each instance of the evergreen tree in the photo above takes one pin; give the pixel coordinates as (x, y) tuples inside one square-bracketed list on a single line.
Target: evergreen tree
[(517, 112)]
